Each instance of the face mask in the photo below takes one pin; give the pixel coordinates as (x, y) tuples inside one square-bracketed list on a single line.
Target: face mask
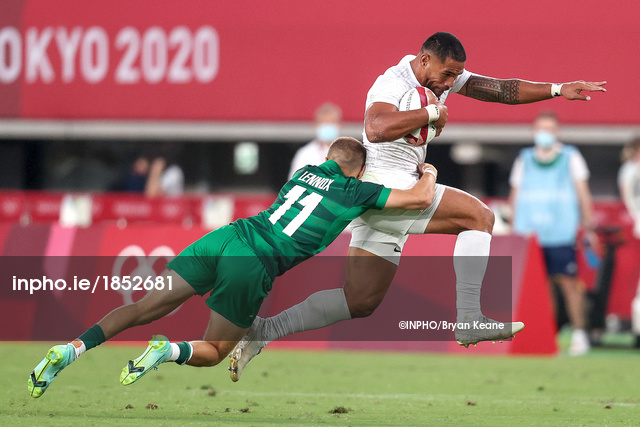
[(544, 139), (327, 132)]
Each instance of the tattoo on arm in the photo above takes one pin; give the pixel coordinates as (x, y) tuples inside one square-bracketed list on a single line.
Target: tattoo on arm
[(494, 90)]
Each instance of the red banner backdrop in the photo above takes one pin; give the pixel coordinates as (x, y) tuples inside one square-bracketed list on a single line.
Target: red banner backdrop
[(279, 60)]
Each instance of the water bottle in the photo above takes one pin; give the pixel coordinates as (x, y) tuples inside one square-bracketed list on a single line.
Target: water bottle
[(591, 257)]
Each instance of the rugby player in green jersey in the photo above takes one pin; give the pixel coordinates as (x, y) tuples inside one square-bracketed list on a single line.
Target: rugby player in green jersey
[(237, 264)]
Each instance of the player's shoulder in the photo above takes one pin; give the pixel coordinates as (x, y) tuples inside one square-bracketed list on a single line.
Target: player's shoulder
[(401, 67), (315, 169), (300, 172), (339, 182), (400, 71)]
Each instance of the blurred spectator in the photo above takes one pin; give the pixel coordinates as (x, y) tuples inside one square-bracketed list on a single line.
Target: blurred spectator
[(153, 178), (136, 178), (629, 184), (163, 179), (328, 121), (550, 198)]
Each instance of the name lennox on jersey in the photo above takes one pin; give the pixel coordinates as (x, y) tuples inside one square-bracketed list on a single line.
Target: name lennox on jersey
[(316, 181)]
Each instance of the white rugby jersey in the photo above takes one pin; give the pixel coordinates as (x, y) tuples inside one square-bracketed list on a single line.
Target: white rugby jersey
[(398, 158)]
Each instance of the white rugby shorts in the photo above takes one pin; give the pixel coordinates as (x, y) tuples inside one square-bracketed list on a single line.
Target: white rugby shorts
[(384, 232)]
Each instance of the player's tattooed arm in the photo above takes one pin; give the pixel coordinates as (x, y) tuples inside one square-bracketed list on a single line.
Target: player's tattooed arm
[(493, 90), (518, 91)]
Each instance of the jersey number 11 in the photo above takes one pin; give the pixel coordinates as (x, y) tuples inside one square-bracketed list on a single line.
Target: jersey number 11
[(310, 202)]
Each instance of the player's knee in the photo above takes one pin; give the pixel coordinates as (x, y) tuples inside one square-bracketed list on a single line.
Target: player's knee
[(488, 218), (482, 219), (359, 312), (364, 295), (363, 307)]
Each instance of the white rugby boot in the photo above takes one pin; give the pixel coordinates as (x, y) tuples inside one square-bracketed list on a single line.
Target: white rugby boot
[(249, 347), (484, 329)]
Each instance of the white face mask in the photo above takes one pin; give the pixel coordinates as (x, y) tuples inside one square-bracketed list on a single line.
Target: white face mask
[(327, 132), (544, 139)]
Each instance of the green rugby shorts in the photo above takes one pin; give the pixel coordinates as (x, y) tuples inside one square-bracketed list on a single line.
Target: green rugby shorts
[(220, 262)]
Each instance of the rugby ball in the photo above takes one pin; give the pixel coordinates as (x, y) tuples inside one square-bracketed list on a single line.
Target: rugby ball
[(415, 99)]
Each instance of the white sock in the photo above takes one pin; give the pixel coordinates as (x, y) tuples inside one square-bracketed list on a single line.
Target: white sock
[(175, 352), (79, 350), (470, 259), (321, 309)]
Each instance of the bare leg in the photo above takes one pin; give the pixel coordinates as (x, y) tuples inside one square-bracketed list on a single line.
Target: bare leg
[(368, 278), (575, 296), (459, 211), (153, 306)]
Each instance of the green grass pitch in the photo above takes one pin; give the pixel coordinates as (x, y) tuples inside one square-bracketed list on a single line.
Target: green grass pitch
[(306, 388)]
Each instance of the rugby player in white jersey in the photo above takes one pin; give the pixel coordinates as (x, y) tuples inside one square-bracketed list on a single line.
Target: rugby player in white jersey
[(378, 237)]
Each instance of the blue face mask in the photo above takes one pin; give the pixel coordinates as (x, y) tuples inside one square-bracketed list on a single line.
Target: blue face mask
[(544, 139), (327, 132)]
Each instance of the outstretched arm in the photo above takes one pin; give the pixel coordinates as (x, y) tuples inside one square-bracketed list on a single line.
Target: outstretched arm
[(516, 91)]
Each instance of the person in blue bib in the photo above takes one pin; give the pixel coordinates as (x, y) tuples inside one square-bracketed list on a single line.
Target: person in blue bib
[(551, 199)]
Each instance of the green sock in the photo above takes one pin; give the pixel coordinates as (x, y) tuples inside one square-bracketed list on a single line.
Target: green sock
[(186, 351), (92, 337)]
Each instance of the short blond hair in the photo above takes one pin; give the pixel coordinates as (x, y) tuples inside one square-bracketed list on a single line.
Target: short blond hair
[(348, 153)]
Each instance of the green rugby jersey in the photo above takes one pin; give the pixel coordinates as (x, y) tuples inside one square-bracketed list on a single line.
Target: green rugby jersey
[(311, 210)]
